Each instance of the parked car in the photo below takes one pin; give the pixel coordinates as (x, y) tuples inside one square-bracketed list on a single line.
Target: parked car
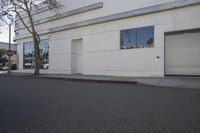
[(46, 66), (5, 68), (1, 65)]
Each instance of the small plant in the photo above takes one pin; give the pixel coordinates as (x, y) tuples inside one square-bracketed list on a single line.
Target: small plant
[(13, 65)]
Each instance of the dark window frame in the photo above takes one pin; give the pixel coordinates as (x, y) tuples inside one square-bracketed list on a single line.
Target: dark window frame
[(24, 52), (135, 45)]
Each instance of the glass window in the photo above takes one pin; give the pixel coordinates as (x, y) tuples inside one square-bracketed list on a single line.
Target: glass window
[(16, 25), (28, 55), (29, 59), (137, 38)]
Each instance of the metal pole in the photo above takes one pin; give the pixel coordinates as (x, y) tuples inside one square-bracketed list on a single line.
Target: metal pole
[(9, 62)]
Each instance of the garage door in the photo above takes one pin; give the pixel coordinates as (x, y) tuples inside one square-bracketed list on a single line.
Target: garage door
[(182, 53)]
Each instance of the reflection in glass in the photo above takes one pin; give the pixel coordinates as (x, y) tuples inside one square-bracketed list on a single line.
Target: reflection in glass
[(137, 38), (29, 55)]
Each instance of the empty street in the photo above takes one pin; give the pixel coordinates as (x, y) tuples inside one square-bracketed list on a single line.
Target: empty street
[(30, 105)]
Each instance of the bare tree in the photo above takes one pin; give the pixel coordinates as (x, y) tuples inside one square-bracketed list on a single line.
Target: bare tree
[(8, 7)]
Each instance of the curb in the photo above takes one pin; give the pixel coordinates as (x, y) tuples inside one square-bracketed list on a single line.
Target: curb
[(89, 80), (75, 79)]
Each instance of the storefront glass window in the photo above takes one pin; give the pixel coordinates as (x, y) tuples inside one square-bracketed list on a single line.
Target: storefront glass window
[(29, 58)]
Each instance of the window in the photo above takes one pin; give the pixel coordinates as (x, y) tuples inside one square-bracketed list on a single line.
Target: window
[(28, 55), (16, 33), (137, 38), (29, 58), (16, 25)]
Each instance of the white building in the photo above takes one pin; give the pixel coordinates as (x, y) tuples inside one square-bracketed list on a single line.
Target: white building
[(145, 38), (4, 45)]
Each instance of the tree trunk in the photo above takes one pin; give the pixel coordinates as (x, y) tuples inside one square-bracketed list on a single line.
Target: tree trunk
[(36, 55), (35, 36)]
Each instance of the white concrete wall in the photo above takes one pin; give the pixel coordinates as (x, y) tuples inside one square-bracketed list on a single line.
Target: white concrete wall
[(60, 55), (20, 55), (102, 54), (108, 9), (101, 42)]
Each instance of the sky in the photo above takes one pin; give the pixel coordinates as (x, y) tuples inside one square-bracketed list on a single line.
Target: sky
[(4, 35)]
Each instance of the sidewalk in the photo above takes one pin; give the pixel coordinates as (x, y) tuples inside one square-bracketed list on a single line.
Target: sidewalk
[(169, 81)]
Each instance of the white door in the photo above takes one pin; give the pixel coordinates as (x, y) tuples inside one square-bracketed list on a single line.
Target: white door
[(77, 56), (182, 53)]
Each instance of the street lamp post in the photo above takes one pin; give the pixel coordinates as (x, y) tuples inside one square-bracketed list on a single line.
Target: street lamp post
[(9, 47), (9, 62)]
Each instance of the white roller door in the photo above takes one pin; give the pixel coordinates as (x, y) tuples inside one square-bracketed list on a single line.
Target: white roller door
[(182, 53)]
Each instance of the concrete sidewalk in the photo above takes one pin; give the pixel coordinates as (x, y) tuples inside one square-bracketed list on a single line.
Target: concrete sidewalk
[(169, 81), (172, 81)]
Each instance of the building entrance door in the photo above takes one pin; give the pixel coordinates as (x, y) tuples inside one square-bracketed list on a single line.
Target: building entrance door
[(77, 56)]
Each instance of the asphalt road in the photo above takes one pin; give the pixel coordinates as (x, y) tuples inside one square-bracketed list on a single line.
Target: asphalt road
[(52, 106)]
